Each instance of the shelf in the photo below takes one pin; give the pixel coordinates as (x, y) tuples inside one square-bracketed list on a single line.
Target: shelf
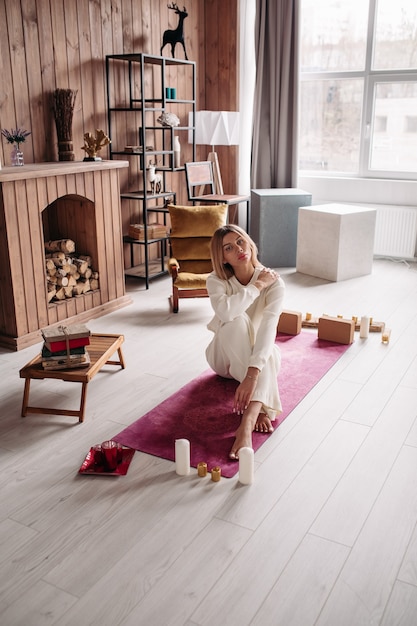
[(142, 242), (142, 57), (140, 195)]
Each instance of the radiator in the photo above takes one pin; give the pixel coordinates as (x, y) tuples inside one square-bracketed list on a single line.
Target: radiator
[(395, 231)]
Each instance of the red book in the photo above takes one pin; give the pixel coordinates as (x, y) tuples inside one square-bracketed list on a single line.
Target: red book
[(57, 346)]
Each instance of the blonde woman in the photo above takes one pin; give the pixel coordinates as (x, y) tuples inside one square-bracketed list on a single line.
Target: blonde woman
[(247, 301)]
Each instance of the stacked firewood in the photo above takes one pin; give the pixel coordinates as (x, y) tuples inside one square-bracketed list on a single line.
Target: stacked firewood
[(68, 274)]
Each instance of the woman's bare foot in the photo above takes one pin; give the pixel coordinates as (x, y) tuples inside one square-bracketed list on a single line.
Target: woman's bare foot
[(263, 424), (243, 440), (244, 432)]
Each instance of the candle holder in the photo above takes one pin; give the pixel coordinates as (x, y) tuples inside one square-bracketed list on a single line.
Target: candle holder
[(386, 334), (110, 454), (202, 469), (216, 474)]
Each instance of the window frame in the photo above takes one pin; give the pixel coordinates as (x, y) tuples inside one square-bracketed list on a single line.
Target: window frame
[(371, 78)]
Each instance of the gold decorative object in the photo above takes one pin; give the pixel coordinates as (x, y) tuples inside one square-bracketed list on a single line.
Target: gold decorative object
[(202, 469), (216, 473), (93, 144)]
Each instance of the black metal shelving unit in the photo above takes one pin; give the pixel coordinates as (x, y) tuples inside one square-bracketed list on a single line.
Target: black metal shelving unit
[(131, 71)]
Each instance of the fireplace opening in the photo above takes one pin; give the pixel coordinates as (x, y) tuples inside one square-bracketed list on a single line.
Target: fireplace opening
[(71, 259)]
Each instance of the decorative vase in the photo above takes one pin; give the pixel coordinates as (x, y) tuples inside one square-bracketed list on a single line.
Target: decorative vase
[(177, 152), (17, 155), (66, 150)]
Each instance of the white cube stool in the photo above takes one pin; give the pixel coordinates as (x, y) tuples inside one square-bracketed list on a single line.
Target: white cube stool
[(335, 241)]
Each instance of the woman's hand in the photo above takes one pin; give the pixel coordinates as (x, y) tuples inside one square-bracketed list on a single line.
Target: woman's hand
[(266, 277), (244, 392)]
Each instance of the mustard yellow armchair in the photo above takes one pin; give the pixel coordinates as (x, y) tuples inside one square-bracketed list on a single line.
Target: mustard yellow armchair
[(192, 228)]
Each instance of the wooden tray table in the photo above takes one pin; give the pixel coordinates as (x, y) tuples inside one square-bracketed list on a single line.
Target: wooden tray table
[(100, 349)]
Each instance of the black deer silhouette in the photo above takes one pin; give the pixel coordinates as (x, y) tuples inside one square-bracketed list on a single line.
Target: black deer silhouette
[(175, 36)]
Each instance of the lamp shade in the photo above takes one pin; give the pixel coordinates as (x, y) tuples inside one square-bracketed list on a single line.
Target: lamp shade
[(216, 128)]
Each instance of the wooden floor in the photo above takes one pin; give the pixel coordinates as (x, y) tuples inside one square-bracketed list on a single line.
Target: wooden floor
[(326, 535)]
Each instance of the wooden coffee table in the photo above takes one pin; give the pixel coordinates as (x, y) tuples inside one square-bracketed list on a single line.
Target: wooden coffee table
[(101, 348)]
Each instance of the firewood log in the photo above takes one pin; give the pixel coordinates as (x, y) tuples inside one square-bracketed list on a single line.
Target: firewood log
[(94, 283), (52, 271), (60, 294), (60, 245), (87, 258), (72, 269), (58, 258), (62, 281), (86, 285), (77, 289), (82, 266)]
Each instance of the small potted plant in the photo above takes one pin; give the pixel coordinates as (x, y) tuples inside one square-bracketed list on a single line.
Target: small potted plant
[(16, 136)]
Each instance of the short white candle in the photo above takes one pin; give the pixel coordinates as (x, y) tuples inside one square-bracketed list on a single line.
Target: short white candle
[(246, 466), (182, 457)]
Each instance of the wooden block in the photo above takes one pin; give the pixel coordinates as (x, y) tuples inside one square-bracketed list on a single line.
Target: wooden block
[(289, 322), (336, 329)]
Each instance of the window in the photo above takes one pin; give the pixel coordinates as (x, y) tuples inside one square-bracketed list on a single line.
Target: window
[(358, 93)]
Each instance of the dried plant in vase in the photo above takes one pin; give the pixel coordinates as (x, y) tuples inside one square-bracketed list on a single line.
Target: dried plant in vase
[(63, 106), (16, 136), (93, 145)]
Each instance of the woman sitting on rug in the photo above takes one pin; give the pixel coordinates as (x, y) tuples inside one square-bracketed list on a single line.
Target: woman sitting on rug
[(247, 301)]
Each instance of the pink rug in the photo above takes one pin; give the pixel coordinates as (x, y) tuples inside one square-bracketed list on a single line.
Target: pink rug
[(202, 410)]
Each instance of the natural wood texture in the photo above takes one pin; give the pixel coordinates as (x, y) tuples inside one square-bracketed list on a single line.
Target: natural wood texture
[(100, 349), (55, 201), (62, 44), (327, 534)]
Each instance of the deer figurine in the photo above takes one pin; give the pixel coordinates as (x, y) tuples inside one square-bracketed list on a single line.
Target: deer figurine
[(154, 178), (175, 36)]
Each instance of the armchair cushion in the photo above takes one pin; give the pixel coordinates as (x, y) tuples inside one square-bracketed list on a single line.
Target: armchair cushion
[(187, 280), (184, 223), (191, 248)]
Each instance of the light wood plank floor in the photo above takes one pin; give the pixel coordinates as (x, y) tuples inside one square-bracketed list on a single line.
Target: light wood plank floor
[(326, 535)]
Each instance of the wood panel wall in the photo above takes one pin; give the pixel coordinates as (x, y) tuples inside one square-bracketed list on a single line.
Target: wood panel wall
[(50, 44)]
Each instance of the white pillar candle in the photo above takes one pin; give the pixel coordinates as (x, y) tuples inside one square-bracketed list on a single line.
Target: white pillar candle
[(182, 457), (364, 327), (246, 466)]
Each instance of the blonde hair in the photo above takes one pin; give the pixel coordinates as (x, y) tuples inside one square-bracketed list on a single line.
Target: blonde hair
[(224, 270)]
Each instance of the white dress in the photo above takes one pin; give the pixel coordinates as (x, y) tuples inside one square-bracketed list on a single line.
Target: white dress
[(245, 326)]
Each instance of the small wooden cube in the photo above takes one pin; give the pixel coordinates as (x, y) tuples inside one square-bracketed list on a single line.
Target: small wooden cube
[(289, 322), (336, 329)]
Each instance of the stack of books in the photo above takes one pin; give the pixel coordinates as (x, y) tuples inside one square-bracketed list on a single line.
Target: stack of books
[(65, 347)]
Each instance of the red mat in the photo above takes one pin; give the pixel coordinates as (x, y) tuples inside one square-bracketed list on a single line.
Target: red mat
[(201, 411)]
